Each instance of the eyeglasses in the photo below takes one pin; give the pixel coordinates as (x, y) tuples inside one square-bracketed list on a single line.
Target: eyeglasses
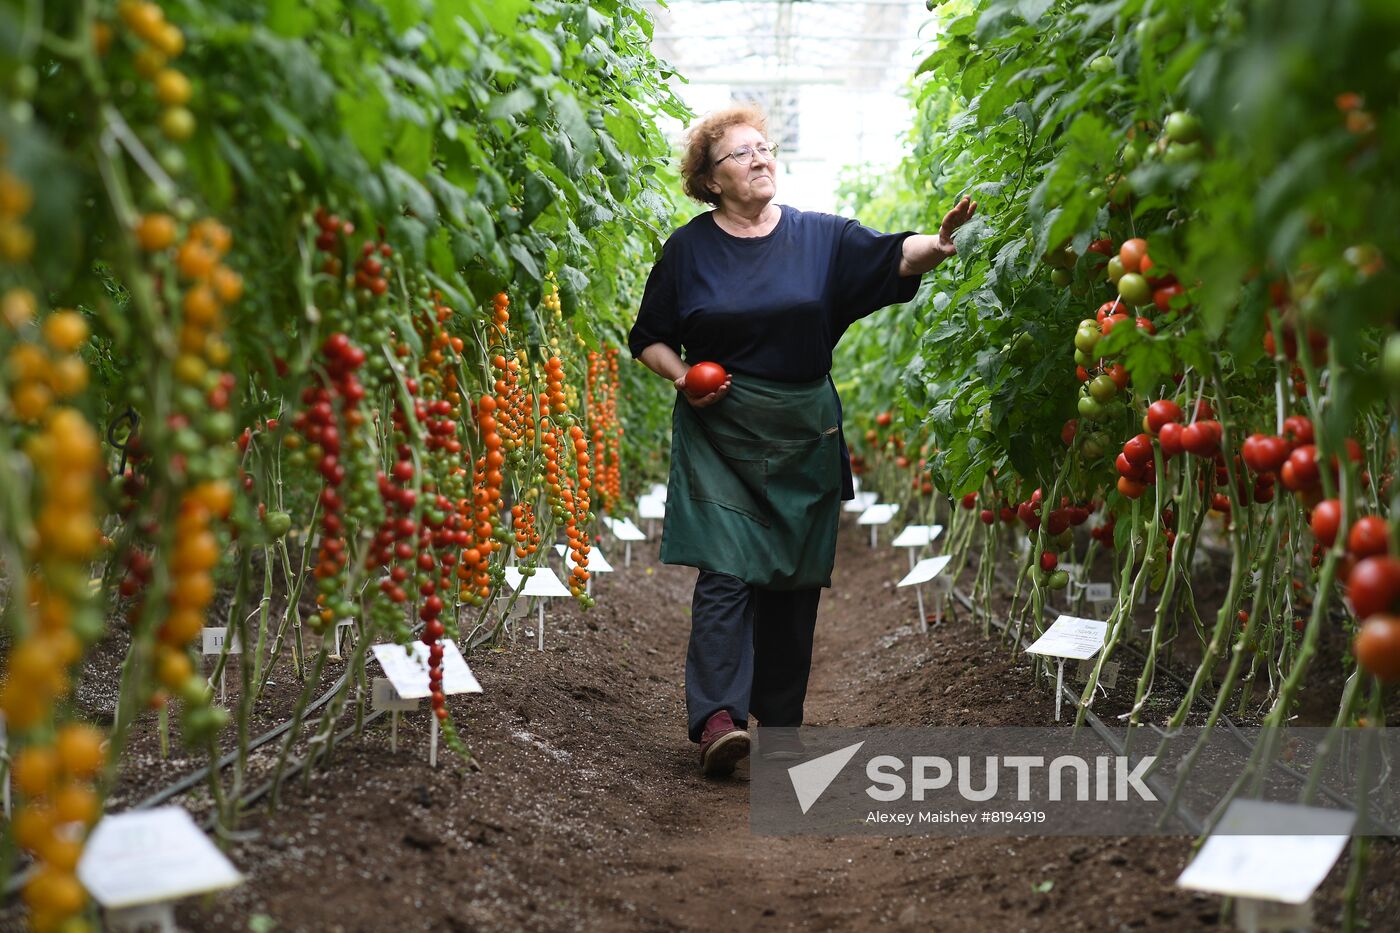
[(744, 154)]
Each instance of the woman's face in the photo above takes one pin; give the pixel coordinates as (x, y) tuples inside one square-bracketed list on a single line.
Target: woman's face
[(755, 183)]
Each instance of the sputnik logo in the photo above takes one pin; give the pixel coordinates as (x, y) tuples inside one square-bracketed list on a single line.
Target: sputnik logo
[(811, 778)]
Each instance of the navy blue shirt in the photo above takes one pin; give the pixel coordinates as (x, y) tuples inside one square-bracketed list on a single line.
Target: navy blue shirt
[(772, 306)]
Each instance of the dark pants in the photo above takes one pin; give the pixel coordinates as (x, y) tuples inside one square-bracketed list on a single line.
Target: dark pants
[(750, 650)]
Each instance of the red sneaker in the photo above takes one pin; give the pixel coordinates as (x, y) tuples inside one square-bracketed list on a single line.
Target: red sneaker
[(722, 745)]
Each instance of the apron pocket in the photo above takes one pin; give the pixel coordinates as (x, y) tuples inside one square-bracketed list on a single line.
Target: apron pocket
[(735, 480)]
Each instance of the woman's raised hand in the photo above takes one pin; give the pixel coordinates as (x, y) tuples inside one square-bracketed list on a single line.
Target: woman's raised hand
[(960, 214)]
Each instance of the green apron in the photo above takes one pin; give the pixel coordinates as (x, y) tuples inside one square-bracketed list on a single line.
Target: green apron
[(755, 485)]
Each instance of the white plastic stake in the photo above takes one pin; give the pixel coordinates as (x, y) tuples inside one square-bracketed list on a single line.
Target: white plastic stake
[(540, 603), (1059, 686), (432, 749), (394, 731)]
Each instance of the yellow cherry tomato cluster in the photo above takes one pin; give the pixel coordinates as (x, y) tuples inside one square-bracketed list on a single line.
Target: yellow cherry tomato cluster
[(196, 553), (16, 198), (552, 304), (159, 43), (54, 769), (41, 372), (210, 286), (60, 804)]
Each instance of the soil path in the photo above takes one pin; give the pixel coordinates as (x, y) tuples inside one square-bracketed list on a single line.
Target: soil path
[(589, 811)]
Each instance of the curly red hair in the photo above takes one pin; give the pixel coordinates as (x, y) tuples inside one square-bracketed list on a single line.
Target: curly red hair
[(701, 137)]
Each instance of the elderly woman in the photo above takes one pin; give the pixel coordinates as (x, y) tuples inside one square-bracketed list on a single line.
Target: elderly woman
[(759, 466)]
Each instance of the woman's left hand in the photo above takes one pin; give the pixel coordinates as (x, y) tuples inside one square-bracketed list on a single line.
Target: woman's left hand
[(960, 214)]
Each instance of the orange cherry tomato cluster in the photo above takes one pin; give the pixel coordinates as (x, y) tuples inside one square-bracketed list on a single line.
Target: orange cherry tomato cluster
[(527, 535), (65, 455), (568, 495), (604, 388), (60, 805), (158, 43), (480, 513), (54, 770), (195, 554), (16, 198), (42, 372)]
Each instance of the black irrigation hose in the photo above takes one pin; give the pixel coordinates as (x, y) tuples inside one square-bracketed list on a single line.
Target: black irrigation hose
[(194, 778), (295, 767), (1183, 814)]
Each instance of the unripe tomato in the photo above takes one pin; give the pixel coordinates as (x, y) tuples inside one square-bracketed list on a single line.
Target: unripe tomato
[(1103, 389), (1133, 289)]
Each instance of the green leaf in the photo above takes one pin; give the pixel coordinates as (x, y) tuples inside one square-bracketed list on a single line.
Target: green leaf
[(292, 18)]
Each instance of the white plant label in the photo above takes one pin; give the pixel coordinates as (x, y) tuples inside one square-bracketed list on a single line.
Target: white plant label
[(597, 563), (1242, 859), (1099, 592), (624, 530), (925, 570), (542, 583), (385, 697), (214, 638), (917, 535), (651, 507), (1071, 637), (408, 672), (861, 502), (149, 856), (879, 514)]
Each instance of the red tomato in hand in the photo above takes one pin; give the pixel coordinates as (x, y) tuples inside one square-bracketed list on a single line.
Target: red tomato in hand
[(704, 378)]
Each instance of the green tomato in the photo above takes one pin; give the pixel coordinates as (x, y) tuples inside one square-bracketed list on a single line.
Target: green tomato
[(1183, 127), (1103, 389), (1090, 408), (277, 524), (1061, 277), (1086, 338), (1115, 269), (1183, 153), (1023, 348), (1134, 289), (1093, 446), (1102, 65), (1059, 580), (1390, 363), (1083, 359), (1132, 155)]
